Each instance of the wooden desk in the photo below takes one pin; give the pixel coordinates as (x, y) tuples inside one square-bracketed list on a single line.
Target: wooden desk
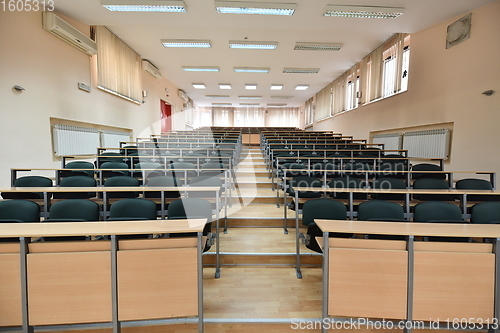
[(407, 192), (162, 189), (411, 280), (53, 283)]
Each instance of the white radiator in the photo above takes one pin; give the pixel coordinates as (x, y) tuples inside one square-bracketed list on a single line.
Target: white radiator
[(391, 141), (110, 139), (427, 144), (74, 140)]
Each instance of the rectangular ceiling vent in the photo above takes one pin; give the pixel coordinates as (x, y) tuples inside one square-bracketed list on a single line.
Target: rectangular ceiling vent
[(301, 70), (63, 30), (318, 46), (151, 69)]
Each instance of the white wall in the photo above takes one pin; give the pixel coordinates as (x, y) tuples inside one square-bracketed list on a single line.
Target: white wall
[(49, 70), (445, 85)]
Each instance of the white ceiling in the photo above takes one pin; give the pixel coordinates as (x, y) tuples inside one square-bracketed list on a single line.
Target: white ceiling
[(143, 32)]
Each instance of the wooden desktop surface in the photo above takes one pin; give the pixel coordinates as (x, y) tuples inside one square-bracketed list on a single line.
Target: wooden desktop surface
[(410, 228), (101, 228)]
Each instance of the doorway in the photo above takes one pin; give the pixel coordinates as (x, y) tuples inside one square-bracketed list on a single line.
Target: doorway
[(165, 116)]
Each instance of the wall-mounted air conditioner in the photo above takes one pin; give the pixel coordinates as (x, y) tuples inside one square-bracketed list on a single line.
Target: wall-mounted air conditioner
[(183, 95), (62, 29), (151, 69)]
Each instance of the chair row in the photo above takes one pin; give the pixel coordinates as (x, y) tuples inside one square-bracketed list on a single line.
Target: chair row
[(81, 210), (380, 210)]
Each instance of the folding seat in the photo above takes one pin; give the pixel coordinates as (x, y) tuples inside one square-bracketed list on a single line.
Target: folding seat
[(28, 181)]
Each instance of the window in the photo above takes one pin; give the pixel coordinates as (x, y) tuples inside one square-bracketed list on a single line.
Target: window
[(309, 112), (118, 66), (352, 94)]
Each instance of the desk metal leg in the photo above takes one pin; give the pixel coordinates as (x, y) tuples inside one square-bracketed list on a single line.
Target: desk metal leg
[(116, 326), (297, 235), (200, 282), (24, 285), (351, 206), (217, 239), (496, 311), (162, 204), (409, 302), (326, 259)]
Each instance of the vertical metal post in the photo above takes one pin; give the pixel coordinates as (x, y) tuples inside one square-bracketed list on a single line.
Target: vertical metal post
[(326, 276), (496, 311), (217, 238), (407, 206), (114, 285), (23, 255), (46, 204), (200, 281), (409, 291), (162, 204), (104, 204), (297, 235), (464, 206), (351, 205)]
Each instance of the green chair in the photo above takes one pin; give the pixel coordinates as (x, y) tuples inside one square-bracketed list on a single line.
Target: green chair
[(123, 181), (312, 183), (191, 208), (217, 169), (76, 181), (486, 213), (476, 184), (108, 157), (380, 210), (439, 212), (28, 181), (132, 209), (113, 169), (73, 169), (164, 181), (181, 170), (18, 211), (72, 210), (147, 170), (388, 183), (427, 167), (342, 184), (205, 181), (322, 208), (432, 184)]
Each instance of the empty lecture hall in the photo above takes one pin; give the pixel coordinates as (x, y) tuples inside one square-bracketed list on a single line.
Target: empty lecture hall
[(241, 166)]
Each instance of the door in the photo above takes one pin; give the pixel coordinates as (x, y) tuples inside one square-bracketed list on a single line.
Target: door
[(166, 116)]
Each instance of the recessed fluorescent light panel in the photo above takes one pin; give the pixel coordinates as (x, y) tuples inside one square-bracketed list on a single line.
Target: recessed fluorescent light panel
[(249, 97), (216, 96), (250, 86), (318, 46), (251, 69), (186, 43), (199, 86), (222, 104), (276, 86), (301, 87), (281, 97), (200, 69), (300, 70), (362, 11), (172, 6), (249, 104), (225, 86), (234, 44), (262, 8), (276, 104)]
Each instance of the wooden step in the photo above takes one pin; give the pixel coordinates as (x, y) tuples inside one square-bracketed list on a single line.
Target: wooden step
[(255, 259), (234, 222)]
